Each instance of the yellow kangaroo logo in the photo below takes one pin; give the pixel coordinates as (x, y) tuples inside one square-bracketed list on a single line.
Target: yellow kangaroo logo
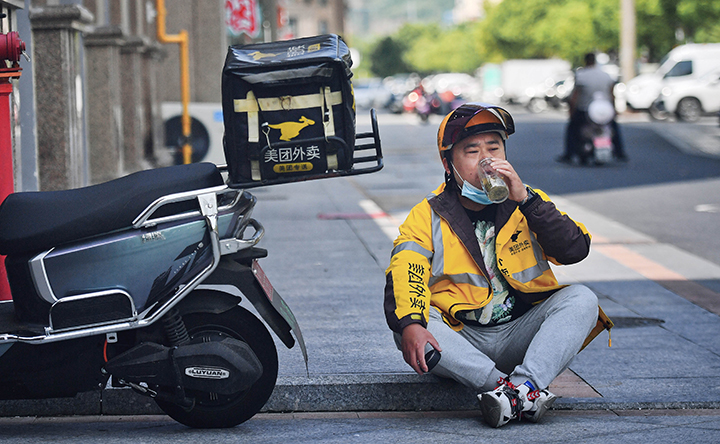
[(290, 130), (257, 55)]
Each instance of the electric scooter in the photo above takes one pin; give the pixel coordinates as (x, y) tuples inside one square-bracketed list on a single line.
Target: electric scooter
[(106, 281), (139, 280), (597, 133)]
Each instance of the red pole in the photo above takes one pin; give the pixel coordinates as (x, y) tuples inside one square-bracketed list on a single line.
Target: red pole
[(6, 168), (11, 47)]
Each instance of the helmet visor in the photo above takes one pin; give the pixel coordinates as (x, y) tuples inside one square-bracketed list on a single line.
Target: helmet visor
[(456, 130)]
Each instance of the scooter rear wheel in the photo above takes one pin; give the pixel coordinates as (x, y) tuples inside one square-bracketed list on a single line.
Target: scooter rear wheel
[(211, 410)]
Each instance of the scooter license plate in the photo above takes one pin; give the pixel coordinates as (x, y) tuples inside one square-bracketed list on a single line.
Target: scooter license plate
[(602, 142), (262, 279)]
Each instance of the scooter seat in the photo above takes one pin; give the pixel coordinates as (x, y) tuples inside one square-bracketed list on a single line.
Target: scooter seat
[(37, 221)]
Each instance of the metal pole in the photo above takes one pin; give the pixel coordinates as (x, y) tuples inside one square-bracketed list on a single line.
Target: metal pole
[(6, 168), (11, 47), (181, 39), (627, 39)]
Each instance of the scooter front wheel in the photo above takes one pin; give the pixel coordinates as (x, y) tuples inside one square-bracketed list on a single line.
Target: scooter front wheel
[(211, 410)]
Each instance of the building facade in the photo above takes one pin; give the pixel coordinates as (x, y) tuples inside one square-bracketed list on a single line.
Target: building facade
[(87, 107)]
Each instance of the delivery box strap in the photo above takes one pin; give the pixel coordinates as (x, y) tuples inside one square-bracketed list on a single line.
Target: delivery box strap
[(253, 106), (329, 124), (305, 101)]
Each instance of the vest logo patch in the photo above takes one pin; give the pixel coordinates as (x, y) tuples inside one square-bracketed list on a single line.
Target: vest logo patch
[(520, 246)]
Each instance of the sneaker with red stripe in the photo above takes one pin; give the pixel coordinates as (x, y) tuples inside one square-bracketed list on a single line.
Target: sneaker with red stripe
[(501, 405)]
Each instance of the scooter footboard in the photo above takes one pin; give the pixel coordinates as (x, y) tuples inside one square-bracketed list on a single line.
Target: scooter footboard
[(53, 370)]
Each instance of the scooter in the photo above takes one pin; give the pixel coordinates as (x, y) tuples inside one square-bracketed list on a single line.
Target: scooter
[(417, 101), (596, 133), (139, 279)]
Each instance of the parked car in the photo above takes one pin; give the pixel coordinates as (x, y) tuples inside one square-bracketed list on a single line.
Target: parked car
[(554, 96), (399, 86), (689, 61), (692, 98), (371, 93), (459, 84)]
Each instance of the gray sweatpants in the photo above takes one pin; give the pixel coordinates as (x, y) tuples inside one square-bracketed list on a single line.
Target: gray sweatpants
[(538, 346)]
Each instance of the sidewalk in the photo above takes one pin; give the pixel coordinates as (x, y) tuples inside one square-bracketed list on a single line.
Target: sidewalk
[(663, 354), (355, 366), (328, 250), (699, 138)]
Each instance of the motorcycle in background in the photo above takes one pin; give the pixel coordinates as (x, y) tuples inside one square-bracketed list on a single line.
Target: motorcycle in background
[(419, 102), (597, 133)]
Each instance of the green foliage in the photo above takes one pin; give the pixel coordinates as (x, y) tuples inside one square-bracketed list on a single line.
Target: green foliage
[(432, 50), (386, 58), (565, 29), (425, 49), (656, 24), (700, 19), (663, 24)]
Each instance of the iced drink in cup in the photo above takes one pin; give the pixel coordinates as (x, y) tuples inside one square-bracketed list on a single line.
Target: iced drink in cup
[(496, 188)]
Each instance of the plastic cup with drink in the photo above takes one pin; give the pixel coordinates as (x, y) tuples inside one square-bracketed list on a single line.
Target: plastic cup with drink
[(496, 188)]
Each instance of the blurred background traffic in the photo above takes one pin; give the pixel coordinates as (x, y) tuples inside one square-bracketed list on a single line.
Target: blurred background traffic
[(524, 52), (683, 86)]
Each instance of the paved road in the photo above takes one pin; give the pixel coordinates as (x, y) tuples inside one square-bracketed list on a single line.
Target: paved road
[(621, 427)]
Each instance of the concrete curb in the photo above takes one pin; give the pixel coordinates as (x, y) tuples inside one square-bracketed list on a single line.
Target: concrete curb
[(334, 393)]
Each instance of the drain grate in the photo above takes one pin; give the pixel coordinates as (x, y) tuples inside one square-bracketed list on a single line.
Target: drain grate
[(632, 322)]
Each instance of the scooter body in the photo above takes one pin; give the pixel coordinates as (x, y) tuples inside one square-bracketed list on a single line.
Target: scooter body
[(418, 102), (140, 279), (597, 132), (597, 143)]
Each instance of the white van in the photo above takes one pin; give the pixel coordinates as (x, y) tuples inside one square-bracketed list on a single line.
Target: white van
[(683, 62), (690, 99)]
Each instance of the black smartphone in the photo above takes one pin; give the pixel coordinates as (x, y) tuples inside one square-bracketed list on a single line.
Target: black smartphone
[(432, 358)]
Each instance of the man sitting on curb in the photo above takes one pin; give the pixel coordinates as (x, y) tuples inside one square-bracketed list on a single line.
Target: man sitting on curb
[(470, 278)]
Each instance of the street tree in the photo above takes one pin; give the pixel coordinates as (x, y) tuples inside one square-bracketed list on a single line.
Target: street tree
[(565, 29)]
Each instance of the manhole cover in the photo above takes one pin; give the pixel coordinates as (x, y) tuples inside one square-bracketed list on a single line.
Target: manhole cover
[(632, 322)]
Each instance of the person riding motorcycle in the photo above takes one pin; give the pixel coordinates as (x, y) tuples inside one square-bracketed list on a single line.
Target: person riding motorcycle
[(471, 278), (590, 82)]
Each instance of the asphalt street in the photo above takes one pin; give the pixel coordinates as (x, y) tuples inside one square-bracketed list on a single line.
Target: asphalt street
[(597, 427)]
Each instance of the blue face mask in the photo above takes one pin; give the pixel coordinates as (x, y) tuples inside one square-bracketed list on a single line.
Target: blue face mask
[(472, 192)]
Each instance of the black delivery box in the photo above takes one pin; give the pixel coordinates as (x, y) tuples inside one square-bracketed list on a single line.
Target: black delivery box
[(289, 111)]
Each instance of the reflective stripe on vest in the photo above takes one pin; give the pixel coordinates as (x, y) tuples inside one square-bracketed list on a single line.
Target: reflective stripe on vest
[(541, 266), (413, 246), (438, 263), (462, 278)]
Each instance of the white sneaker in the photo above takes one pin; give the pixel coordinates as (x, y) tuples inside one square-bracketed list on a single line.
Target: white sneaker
[(500, 406), (541, 401)]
